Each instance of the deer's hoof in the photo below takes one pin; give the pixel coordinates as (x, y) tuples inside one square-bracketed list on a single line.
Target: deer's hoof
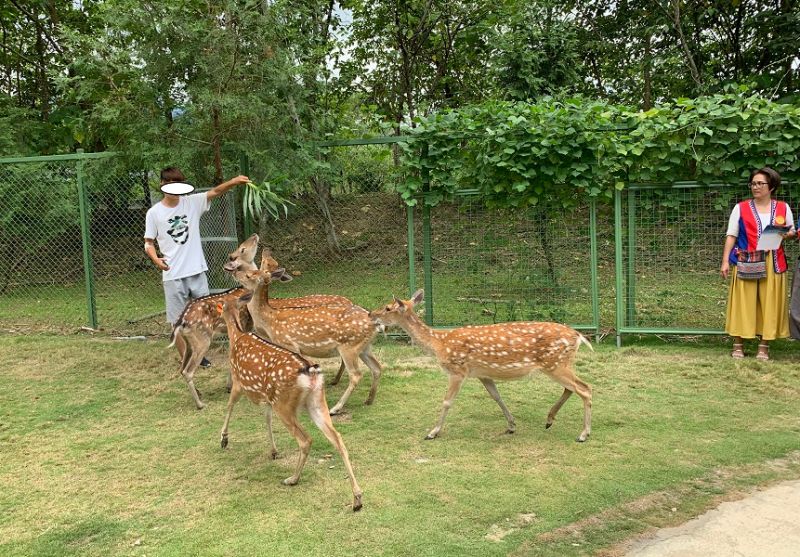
[(548, 425), (356, 503), (368, 402), (430, 437), (335, 411), (510, 431), (273, 455), (223, 442), (581, 439), (290, 481)]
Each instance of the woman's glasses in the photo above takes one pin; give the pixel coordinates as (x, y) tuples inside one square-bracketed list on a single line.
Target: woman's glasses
[(759, 184)]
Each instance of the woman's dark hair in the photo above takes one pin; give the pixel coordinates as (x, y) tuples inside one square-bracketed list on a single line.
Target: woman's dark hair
[(773, 178), (173, 174)]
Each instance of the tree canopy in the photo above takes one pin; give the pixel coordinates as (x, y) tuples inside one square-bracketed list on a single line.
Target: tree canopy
[(195, 82)]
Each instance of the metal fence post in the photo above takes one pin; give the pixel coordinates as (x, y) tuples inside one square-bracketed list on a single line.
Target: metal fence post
[(412, 279), (426, 242), (593, 267), (86, 240), (630, 283), (618, 264)]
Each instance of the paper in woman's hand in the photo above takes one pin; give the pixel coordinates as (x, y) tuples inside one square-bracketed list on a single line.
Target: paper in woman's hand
[(771, 237)]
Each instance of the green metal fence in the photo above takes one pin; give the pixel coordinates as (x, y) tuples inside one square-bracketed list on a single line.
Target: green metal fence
[(669, 240), (72, 245), (72, 248)]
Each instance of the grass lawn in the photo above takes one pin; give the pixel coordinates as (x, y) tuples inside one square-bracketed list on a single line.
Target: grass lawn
[(104, 454)]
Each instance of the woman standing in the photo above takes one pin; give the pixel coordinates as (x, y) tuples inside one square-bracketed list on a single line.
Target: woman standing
[(757, 297)]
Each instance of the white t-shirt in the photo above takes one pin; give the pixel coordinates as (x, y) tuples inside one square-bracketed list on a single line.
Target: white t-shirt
[(177, 231), (733, 221)]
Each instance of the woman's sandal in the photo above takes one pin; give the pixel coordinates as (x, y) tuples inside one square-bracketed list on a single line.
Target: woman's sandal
[(763, 352), (738, 351)]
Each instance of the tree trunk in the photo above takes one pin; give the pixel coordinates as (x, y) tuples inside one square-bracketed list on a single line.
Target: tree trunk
[(676, 19), (216, 146), (322, 197)]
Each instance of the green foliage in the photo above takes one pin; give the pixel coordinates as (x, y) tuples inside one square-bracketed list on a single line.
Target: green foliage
[(261, 198), (519, 154)]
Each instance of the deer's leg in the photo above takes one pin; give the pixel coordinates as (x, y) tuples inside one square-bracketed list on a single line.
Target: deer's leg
[(273, 454), (318, 410), (196, 348), (350, 358), (492, 388), (229, 382), (375, 367), (453, 387), (565, 375), (338, 374), (551, 416), (236, 392), (288, 415)]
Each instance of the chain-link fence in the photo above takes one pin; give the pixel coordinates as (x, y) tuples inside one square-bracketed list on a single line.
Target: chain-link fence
[(41, 262), (346, 232), (48, 241), (349, 233), (494, 265)]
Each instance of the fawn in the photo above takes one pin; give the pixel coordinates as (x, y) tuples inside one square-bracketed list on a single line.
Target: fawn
[(285, 382), (199, 321), (318, 332), (503, 351)]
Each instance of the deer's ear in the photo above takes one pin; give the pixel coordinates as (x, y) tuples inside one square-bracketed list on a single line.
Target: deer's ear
[(285, 277), (418, 296), (277, 274), (401, 305)]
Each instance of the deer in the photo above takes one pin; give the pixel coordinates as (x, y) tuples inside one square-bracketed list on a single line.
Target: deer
[(199, 321), (498, 352), (284, 382), (316, 332), (268, 263)]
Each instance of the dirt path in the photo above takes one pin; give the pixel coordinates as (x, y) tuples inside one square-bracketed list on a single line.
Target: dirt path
[(765, 524)]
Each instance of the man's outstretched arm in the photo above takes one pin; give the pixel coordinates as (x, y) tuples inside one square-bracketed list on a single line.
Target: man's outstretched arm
[(225, 186)]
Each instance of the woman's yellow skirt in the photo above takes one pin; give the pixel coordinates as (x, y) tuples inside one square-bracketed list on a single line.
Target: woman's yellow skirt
[(758, 308)]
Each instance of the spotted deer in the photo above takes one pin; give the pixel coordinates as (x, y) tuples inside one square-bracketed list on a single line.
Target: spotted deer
[(503, 351), (284, 382), (317, 332), (199, 321), (268, 263)]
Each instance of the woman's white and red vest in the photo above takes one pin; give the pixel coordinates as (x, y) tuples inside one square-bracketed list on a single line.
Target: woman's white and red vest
[(750, 228)]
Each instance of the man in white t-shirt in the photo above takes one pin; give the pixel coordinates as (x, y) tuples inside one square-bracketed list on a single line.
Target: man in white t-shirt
[(174, 223)]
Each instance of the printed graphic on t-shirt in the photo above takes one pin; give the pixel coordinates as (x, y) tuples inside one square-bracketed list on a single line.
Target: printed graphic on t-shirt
[(179, 229)]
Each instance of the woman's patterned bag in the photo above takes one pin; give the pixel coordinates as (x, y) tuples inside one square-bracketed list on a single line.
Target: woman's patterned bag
[(751, 265)]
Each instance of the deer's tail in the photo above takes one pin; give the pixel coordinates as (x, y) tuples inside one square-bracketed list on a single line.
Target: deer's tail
[(583, 340), (173, 335)]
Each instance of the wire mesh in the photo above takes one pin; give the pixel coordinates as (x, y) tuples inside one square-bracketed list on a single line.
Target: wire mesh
[(346, 232), (41, 266), (672, 248), (130, 298), (492, 265)]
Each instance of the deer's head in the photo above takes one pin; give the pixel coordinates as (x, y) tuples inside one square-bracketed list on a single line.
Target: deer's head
[(397, 310), (252, 279), (244, 254), (268, 262)]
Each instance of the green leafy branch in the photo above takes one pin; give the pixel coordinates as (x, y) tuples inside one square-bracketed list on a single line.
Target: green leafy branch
[(262, 198)]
